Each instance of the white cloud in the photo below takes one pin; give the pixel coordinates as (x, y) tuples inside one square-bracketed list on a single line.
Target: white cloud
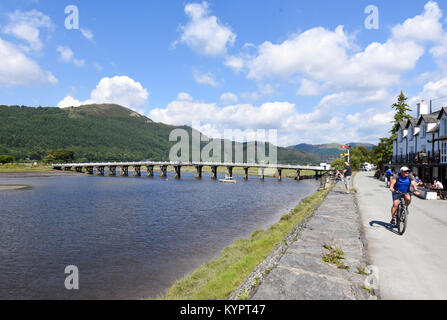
[(67, 56), (69, 101), (204, 33), (87, 33), (250, 96), (309, 88), (422, 27), (120, 90), (266, 89), (204, 78), (16, 69), (228, 98), (320, 125), (25, 26), (235, 63), (329, 62)]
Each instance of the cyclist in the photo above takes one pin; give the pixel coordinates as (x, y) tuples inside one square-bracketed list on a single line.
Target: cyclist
[(402, 182)]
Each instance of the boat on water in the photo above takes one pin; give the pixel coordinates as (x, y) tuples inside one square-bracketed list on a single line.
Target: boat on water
[(228, 179)]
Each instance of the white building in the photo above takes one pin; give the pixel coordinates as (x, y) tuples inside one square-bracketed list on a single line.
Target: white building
[(421, 144)]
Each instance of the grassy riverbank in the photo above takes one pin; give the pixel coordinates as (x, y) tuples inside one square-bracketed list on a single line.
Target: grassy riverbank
[(217, 279), (13, 168)]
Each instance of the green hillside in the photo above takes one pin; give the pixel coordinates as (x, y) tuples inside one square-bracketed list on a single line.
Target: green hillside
[(325, 151), (95, 133)]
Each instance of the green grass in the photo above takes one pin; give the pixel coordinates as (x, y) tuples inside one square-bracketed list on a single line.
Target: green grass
[(12, 168), (217, 279), (335, 256)]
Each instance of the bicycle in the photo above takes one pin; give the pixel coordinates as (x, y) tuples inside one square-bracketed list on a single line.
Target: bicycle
[(402, 214)]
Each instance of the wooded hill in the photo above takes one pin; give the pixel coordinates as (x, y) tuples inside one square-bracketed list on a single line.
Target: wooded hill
[(104, 132)]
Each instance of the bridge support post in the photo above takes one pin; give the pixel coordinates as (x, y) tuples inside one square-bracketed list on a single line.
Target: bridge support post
[(280, 174), (137, 171), (262, 174), (89, 170), (246, 173), (163, 171), (124, 171), (79, 169), (67, 168), (100, 171), (230, 171), (178, 172), (214, 172), (150, 172), (298, 175), (112, 171), (199, 172)]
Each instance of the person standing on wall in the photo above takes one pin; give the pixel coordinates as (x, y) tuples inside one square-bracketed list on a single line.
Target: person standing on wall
[(348, 174)]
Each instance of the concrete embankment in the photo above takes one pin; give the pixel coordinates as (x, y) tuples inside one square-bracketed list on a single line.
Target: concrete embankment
[(324, 259)]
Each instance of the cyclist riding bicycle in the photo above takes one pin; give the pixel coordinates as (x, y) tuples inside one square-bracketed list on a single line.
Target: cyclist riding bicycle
[(400, 187)]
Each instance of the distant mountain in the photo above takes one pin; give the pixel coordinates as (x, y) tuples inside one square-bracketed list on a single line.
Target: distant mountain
[(105, 132), (328, 152)]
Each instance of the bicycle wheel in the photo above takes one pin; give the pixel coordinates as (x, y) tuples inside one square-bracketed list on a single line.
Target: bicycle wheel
[(402, 219)]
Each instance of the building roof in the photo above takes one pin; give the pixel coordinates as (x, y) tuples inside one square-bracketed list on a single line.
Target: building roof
[(434, 129), (429, 118), (413, 122), (403, 124), (443, 111)]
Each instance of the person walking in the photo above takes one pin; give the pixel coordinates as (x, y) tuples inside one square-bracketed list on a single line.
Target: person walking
[(347, 174), (388, 175)]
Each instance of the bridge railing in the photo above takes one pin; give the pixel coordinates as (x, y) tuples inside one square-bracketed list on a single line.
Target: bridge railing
[(170, 163)]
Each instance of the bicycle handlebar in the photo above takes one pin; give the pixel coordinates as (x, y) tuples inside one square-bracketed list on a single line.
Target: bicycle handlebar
[(409, 192)]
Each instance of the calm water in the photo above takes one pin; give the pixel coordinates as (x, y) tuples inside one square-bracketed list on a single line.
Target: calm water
[(130, 237)]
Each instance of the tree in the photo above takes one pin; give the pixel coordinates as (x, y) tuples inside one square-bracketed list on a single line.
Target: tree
[(383, 152), (402, 109), (339, 163), (6, 159), (59, 155)]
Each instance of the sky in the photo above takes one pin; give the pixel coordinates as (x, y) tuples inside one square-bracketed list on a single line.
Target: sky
[(315, 71)]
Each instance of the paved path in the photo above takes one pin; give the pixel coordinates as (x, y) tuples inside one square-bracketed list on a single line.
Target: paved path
[(301, 274), (413, 266)]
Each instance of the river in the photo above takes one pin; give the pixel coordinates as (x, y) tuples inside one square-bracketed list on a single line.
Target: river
[(130, 238)]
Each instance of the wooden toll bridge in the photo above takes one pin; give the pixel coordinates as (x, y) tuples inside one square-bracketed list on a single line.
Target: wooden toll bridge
[(150, 165)]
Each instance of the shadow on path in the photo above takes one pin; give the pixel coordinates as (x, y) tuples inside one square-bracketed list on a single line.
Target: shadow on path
[(387, 226)]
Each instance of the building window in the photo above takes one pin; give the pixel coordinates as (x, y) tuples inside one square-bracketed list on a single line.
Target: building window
[(424, 131)]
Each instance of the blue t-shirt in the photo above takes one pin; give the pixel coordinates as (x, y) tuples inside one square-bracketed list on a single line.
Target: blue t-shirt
[(389, 173), (402, 184)]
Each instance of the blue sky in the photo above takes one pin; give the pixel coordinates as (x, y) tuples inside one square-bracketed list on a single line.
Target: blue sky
[(309, 69)]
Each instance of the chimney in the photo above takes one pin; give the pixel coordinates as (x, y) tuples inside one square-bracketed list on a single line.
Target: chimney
[(422, 108)]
